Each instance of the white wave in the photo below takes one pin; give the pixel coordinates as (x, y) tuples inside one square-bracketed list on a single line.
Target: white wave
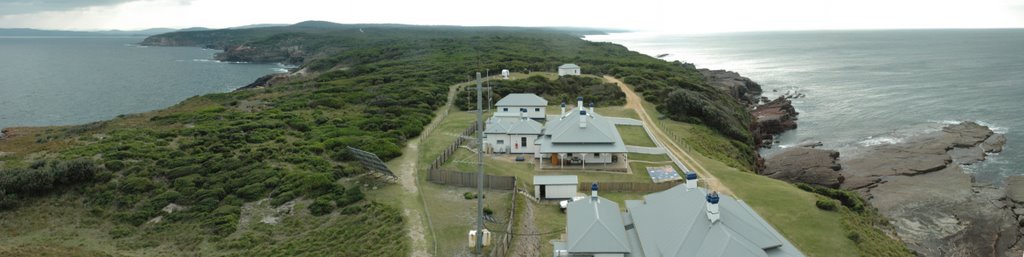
[(994, 128), (880, 140)]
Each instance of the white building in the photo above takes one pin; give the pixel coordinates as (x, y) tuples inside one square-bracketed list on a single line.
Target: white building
[(516, 136), (510, 106), (570, 69), (555, 187), (684, 221), (504, 74), (580, 137)]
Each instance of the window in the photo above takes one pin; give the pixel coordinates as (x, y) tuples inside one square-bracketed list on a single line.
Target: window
[(501, 142), (596, 155), (523, 144), (536, 109), (504, 109), (568, 154)]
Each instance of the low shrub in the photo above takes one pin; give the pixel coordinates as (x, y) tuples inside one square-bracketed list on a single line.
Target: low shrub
[(322, 205), (826, 204)]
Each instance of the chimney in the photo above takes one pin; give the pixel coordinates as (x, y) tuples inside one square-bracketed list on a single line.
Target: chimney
[(712, 207), (522, 113), (593, 191), (691, 181), (583, 119), (579, 102), (591, 108), (563, 111)]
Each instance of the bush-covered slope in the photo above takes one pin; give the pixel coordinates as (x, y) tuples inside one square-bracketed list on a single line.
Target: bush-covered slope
[(372, 87)]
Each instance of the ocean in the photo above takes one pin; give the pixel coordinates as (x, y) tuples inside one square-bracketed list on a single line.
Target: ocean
[(62, 81), (866, 88)]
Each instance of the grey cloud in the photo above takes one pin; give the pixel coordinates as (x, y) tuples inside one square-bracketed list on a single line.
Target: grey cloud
[(9, 7)]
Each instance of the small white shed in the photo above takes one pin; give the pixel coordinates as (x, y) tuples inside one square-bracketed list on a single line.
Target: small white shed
[(555, 187), (569, 69), (504, 74)]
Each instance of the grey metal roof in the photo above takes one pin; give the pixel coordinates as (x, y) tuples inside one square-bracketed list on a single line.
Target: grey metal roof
[(565, 135), (673, 223), (522, 99), (595, 226), (526, 126), (567, 130), (569, 66), (555, 180), (513, 126)]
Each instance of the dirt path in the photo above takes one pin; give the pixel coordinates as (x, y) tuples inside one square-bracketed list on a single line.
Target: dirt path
[(633, 101), (408, 164), (527, 246)]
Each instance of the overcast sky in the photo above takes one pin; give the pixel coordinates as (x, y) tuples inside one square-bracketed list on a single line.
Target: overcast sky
[(687, 16)]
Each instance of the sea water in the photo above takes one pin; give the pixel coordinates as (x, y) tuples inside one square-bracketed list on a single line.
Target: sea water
[(868, 88), (62, 81)]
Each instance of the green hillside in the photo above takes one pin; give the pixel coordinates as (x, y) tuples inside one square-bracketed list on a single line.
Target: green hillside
[(265, 171)]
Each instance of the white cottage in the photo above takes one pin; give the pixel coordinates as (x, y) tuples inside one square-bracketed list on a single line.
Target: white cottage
[(511, 106), (569, 69), (516, 136), (580, 137)]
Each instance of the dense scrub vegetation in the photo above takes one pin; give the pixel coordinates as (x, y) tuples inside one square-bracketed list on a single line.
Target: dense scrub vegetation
[(563, 89), (371, 87), (44, 177)]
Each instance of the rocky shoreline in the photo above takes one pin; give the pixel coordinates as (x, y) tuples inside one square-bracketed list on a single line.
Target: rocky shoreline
[(937, 209)]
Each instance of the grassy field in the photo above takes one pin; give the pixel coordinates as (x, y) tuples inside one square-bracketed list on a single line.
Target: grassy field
[(451, 216), (790, 210), (635, 136)]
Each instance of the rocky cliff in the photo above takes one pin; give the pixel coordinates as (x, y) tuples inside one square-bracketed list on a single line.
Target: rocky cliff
[(772, 119), (740, 87), (936, 207), (805, 165)]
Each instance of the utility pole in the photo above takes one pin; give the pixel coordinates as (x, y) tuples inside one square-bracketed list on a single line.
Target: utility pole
[(480, 168), (488, 81)]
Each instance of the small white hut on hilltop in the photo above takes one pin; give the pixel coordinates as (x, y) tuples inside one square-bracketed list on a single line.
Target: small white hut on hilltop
[(569, 69)]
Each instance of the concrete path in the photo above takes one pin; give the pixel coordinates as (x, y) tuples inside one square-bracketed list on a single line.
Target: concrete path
[(625, 121), (645, 150), (633, 101)]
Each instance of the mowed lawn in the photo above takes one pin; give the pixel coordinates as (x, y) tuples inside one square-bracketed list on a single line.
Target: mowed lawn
[(635, 136)]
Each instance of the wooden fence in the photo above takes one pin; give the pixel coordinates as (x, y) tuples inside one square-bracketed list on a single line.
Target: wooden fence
[(468, 179), (504, 242), (448, 152), (632, 187)]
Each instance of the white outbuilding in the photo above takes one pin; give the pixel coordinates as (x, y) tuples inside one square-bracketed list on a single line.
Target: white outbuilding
[(569, 69), (504, 74), (555, 187)]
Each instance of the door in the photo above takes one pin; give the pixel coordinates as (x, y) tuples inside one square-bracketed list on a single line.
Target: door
[(543, 191)]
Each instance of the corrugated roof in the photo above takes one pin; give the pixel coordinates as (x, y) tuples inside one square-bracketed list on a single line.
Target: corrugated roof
[(672, 223), (595, 226), (522, 99), (517, 126), (568, 130), (556, 180), (565, 135), (526, 126), (569, 66)]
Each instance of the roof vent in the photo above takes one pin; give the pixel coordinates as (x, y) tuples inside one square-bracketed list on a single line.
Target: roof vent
[(691, 181), (522, 113), (712, 206), (583, 119), (563, 111)]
